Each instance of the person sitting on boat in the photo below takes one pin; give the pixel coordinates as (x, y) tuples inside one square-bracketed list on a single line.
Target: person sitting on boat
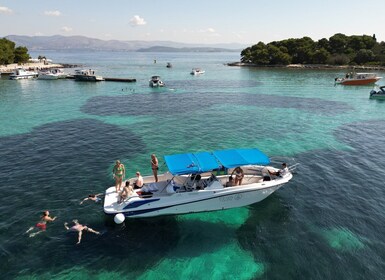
[(282, 172), (93, 197), (230, 183), (127, 191), (42, 224), (238, 176), (118, 173), (79, 228), (139, 181)]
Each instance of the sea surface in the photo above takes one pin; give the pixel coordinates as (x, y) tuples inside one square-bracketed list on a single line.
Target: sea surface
[(59, 140)]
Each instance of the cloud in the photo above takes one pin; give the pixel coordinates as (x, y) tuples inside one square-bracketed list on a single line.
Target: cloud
[(66, 29), (53, 13), (5, 10), (137, 20)]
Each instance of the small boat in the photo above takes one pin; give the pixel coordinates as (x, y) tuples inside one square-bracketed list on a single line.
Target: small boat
[(378, 94), (356, 79), (87, 75), (21, 73), (200, 182), (155, 81), (196, 71), (169, 65), (52, 74)]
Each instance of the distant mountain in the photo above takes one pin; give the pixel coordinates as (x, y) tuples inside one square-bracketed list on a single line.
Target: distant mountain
[(58, 42)]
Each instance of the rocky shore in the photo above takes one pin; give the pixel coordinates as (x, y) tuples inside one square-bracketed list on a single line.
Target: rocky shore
[(309, 66)]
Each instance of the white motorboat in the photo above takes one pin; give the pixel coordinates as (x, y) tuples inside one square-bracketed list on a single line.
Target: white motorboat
[(21, 73), (199, 182), (196, 71), (52, 74), (87, 75), (155, 81), (378, 94)]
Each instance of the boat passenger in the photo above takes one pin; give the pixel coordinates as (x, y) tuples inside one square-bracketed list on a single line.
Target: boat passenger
[(79, 228), (93, 197), (42, 224), (282, 172), (154, 166), (139, 181), (127, 191), (230, 183), (118, 173), (238, 176)]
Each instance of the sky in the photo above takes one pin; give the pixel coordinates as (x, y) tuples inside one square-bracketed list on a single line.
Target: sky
[(193, 21)]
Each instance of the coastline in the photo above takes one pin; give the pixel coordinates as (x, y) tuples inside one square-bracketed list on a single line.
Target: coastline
[(308, 66), (32, 66)]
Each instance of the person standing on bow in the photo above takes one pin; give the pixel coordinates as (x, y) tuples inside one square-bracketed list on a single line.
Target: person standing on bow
[(154, 166), (118, 173)]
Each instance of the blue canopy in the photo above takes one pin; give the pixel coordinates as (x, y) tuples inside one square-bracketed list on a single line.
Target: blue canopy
[(239, 157), (192, 163)]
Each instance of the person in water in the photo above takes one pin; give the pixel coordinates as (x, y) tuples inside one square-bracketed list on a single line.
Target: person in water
[(77, 227), (154, 166), (42, 224), (93, 197), (118, 173)]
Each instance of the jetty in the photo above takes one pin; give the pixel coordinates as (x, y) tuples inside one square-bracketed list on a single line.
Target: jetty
[(122, 80)]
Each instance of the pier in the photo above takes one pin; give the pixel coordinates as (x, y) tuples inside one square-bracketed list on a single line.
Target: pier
[(122, 80)]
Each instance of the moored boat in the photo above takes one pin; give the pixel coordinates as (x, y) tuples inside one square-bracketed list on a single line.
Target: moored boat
[(155, 81), (378, 94), (87, 75), (21, 73), (52, 74), (356, 79), (194, 184)]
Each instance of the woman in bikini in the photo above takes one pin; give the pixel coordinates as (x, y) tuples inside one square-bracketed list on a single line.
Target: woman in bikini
[(154, 166), (42, 224), (238, 176), (118, 173)]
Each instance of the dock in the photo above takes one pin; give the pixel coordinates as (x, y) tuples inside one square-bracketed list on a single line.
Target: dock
[(122, 80)]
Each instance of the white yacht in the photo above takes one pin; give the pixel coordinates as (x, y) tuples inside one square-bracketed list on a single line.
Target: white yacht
[(155, 81), (21, 73)]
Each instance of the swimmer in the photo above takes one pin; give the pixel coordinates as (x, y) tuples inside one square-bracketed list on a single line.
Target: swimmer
[(93, 197), (79, 228), (42, 224)]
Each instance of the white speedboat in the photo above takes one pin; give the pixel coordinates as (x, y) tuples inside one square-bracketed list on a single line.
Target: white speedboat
[(155, 81), (87, 75), (196, 71), (21, 73), (199, 182), (356, 79), (52, 74), (378, 94)]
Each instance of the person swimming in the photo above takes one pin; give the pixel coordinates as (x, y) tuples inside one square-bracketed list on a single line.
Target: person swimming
[(93, 197), (77, 227), (42, 224)]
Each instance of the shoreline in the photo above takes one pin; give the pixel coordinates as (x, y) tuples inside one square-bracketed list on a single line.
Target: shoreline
[(308, 66), (33, 66)]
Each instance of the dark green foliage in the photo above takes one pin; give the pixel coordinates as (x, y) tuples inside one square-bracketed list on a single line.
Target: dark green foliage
[(9, 54), (338, 50)]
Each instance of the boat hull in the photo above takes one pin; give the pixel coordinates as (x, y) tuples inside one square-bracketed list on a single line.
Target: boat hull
[(359, 82), (192, 201)]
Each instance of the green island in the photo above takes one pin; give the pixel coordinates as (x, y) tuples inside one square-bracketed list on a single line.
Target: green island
[(9, 53), (339, 51)]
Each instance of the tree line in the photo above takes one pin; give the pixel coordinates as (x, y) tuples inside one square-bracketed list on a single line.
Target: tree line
[(337, 50), (9, 53)]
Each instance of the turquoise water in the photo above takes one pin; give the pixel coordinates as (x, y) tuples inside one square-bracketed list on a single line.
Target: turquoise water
[(59, 140)]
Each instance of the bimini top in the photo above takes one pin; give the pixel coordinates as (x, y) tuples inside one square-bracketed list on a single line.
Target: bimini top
[(193, 163)]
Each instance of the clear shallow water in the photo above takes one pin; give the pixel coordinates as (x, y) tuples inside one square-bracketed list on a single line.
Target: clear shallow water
[(59, 139)]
